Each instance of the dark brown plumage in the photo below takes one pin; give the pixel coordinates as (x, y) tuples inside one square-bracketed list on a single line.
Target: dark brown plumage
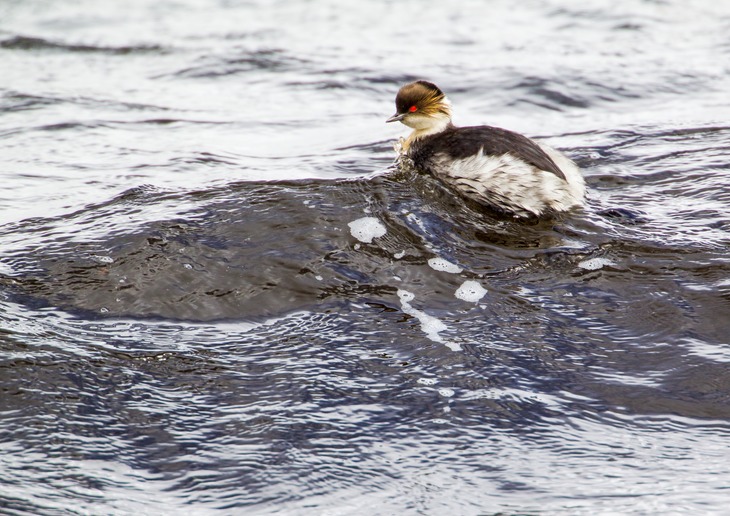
[(423, 95), (462, 142)]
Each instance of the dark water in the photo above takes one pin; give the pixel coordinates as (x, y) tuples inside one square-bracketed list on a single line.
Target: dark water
[(190, 321)]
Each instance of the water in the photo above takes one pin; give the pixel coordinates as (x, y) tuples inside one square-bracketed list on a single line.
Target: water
[(217, 296)]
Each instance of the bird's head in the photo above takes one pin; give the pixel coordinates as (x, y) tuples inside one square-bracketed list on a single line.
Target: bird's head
[(422, 106)]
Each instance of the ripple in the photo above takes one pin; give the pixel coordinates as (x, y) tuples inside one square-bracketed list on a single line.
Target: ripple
[(269, 60), (31, 43)]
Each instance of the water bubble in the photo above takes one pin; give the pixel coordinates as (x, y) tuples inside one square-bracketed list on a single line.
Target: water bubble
[(470, 291), (439, 264), (366, 229)]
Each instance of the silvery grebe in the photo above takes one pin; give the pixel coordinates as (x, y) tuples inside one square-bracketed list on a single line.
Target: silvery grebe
[(495, 167)]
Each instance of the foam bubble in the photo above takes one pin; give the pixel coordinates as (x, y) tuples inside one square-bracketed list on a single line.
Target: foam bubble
[(593, 264), (102, 259), (439, 264), (470, 291), (430, 325), (406, 297), (366, 229)]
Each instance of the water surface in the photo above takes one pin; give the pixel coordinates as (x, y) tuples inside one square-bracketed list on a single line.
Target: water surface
[(193, 319)]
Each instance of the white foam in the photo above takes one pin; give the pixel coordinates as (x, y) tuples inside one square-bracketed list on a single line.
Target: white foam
[(418, 222), (446, 393), (430, 325), (102, 259), (593, 264), (470, 291), (366, 229), (439, 264), (406, 297)]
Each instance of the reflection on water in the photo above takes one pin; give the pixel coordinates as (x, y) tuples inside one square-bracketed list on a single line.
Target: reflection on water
[(218, 295)]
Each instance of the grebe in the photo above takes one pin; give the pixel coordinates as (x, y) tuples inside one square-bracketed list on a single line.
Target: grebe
[(495, 167)]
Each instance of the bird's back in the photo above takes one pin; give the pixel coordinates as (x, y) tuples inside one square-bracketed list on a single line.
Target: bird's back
[(501, 168), (463, 142)]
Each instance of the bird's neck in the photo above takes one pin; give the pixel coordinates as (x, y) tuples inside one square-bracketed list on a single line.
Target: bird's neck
[(436, 124)]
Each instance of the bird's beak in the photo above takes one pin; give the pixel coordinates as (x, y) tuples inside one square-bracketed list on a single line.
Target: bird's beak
[(396, 118)]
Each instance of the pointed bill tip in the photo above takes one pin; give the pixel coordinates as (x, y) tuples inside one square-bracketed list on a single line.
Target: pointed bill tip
[(395, 118)]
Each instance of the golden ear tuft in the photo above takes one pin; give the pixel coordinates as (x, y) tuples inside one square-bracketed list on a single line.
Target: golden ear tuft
[(424, 96)]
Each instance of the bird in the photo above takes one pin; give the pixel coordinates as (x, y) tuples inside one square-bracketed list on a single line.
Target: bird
[(498, 168)]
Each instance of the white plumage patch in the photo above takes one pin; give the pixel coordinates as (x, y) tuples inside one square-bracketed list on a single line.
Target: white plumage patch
[(573, 176), (510, 183)]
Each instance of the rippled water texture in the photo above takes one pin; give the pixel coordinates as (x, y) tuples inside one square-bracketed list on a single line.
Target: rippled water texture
[(218, 296)]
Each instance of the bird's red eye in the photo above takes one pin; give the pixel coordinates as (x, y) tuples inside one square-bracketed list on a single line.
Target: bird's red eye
[(413, 109)]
